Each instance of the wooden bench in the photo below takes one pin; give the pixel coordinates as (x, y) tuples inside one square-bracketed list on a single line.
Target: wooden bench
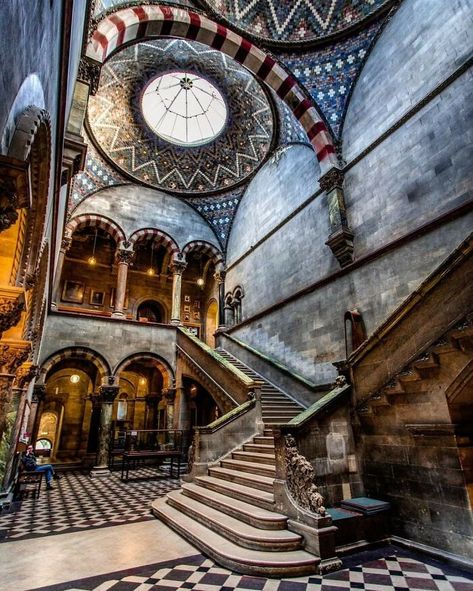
[(28, 482), (133, 459)]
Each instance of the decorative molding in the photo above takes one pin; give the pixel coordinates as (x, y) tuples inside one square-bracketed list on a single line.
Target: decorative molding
[(124, 256), (300, 476), (89, 73)]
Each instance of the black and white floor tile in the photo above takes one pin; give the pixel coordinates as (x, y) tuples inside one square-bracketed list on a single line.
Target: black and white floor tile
[(79, 502), (388, 571)]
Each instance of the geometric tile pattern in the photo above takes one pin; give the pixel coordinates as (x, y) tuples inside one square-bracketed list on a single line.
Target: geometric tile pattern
[(329, 73), (295, 22), (392, 573), (79, 502), (118, 126)]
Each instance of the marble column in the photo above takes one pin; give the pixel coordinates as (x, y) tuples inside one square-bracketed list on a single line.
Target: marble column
[(65, 245), (124, 258), (220, 279), (108, 394), (177, 268)]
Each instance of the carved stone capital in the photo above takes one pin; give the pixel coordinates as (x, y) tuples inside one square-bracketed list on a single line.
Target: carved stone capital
[(8, 203), (108, 393), (124, 256), (39, 393), (25, 373), (169, 394), (219, 276), (66, 243), (177, 267), (12, 304), (332, 179), (89, 73), (341, 244), (13, 354)]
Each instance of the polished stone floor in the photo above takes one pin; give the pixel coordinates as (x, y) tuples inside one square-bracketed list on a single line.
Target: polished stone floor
[(143, 554)]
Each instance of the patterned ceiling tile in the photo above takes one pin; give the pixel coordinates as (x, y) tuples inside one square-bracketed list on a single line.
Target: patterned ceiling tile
[(304, 20), (329, 73), (117, 123)]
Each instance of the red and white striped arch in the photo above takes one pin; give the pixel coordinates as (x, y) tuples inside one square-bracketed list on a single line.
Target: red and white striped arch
[(204, 248), (160, 238), (141, 22), (95, 221)]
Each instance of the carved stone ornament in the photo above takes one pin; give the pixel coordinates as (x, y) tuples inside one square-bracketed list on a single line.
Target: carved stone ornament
[(177, 267), (125, 256), (11, 307), (341, 244), (8, 203), (108, 393), (66, 243), (12, 355), (89, 73), (331, 180), (170, 395), (300, 476), (25, 373), (219, 276), (340, 382), (39, 393)]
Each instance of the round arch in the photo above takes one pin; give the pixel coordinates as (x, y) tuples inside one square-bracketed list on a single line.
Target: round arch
[(136, 23), (84, 353), (95, 221), (161, 363), (205, 248), (160, 239)]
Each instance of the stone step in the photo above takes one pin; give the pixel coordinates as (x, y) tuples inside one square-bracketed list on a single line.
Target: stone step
[(247, 494), (259, 458), (247, 479), (247, 512), (280, 412), (249, 467), (277, 418), (264, 440), (283, 405), (259, 448), (243, 560), (233, 529), (268, 433)]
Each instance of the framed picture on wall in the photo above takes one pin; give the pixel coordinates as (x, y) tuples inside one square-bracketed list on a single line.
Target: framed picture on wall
[(97, 298), (73, 292)]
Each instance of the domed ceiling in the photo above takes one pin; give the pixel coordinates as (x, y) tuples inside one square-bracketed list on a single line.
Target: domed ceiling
[(141, 148), (295, 22)]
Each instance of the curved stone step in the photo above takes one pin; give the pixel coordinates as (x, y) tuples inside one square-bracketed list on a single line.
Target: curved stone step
[(243, 560), (255, 457), (252, 480), (249, 513), (247, 494), (239, 532), (249, 467)]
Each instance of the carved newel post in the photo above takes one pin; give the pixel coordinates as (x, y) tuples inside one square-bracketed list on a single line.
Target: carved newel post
[(220, 279), (124, 258), (107, 395), (65, 246), (177, 268), (341, 236)]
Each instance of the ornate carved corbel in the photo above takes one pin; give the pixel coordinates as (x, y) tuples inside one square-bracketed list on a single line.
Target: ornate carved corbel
[(25, 373), (108, 393), (13, 354), (39, 393), (89, 73), (341, 236), (14, 192), (12, 304)]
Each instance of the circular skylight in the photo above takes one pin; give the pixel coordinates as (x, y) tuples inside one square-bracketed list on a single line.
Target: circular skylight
[(184, 108)]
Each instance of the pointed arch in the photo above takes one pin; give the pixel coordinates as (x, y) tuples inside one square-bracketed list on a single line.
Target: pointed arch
[(136, 23), (93, 220), (84, 353), (160, 239), (205, 248)]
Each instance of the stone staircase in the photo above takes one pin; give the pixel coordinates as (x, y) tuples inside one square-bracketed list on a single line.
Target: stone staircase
[(276, 406), (229, 515)]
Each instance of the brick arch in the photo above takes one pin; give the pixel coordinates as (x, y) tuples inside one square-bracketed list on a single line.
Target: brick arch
[(95, 221), (163, 366), (160, 239), (84, 353), (136, 23), (205, 248)]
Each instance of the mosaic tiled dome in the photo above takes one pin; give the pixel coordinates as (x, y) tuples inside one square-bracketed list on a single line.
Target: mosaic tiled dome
[(295, 22), (119, 129)]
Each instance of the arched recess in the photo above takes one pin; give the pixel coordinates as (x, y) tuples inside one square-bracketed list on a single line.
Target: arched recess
[(204, 248), (98, 360), (163, 366), (95, 221), (31, 142), (152, 310), (211, 322), (141, 22), (160, 239)]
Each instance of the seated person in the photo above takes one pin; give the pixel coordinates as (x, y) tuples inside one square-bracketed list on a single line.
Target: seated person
[(30, 464)]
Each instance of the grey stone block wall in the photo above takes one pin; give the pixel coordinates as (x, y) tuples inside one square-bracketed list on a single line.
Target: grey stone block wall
[(423, 44), (134, 207)]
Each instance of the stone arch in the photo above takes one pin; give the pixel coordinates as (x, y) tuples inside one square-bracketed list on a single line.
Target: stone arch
[(96, 221), (166, 370), (205, 248), (136, 23), (85, 353), (31, 142), (160, 239)]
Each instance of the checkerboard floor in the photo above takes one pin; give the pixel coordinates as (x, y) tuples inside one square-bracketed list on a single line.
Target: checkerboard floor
[(389, 569), (79, 502)]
